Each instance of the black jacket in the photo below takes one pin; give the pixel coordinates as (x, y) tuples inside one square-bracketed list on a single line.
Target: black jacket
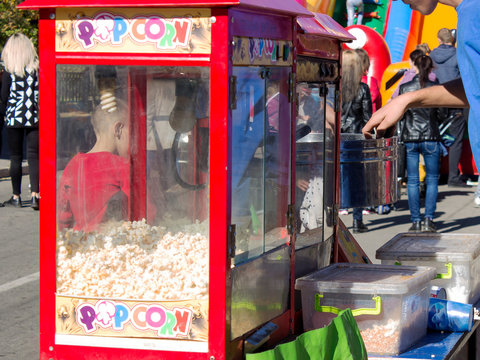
[(419, 124), (357, 112)]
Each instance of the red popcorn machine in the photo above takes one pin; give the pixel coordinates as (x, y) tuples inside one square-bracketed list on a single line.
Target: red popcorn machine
[(184, 147)]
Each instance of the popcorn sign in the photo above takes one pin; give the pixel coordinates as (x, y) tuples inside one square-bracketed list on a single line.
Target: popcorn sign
[(108, 28), (116, 315)]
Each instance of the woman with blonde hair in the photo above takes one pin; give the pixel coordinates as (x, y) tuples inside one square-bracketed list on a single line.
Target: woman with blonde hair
[(370, 80), (356, 111), (356, 98), (19, 105)]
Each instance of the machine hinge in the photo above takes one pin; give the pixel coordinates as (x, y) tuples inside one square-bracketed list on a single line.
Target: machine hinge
[(334, 214), (338, 99), (233, 93), (231, 238), (291, 87), (265, 73), (291, 219), (323, 90)]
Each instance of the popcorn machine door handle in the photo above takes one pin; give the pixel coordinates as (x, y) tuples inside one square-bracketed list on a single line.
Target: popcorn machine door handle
[(363, 311), (449, 273)]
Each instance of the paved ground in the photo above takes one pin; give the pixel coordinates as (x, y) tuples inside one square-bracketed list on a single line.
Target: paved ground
[(455, 213), (4, 168), (19, 261)]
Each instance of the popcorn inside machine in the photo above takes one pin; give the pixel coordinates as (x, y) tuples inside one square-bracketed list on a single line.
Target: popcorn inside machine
[(168, 164)]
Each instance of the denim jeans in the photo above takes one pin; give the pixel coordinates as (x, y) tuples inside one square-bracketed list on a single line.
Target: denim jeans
[(357, 214), (351, 5), (431, 154)]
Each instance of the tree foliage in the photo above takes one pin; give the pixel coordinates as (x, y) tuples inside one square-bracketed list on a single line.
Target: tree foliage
[(13, 20)]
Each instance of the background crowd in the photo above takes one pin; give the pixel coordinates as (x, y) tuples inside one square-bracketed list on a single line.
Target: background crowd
[(425, 134)]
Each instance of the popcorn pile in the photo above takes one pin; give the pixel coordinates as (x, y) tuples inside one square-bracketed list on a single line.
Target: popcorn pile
[(383, 338), (133, 260)]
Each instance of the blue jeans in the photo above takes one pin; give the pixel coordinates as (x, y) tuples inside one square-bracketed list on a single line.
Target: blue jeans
[(357, 214), (431, 151), (351, 5)]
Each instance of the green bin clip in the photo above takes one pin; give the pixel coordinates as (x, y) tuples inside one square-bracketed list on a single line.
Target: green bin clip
[(448, 275), (331, 309)]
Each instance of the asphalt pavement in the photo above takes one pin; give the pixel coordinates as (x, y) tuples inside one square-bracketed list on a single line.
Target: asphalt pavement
[(455, 213), (19, 284)]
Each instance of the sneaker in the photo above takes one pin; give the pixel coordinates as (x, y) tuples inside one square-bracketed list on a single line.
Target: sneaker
[(343, 212), (416, 226), (383, 209), (367, 212), (476, 201), (458, 183), (429, 226), (13, 202)]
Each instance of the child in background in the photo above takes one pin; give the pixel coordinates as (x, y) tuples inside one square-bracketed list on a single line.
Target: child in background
[(372, 83), (420, 133), (95, 186), (356, 110), (410, 73), (351, 5)]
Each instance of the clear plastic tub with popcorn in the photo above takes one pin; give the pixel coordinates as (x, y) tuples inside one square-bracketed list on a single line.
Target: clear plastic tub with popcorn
[(390, 303)]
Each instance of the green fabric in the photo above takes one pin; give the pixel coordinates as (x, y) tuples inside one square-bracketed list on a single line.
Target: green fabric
[(340, 340)]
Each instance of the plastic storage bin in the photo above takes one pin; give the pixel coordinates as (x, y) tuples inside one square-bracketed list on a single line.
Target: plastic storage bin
[(390, 303), (455, 256)]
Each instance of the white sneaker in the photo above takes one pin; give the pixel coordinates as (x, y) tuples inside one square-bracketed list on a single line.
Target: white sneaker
[(476, 201), (343, 212)]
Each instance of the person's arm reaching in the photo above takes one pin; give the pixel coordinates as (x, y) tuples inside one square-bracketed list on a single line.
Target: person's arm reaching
[(450, 94)]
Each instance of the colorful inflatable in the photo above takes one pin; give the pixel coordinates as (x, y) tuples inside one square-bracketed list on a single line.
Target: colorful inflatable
[(391, 78), (374, 44), (399, 28), (401, 32)]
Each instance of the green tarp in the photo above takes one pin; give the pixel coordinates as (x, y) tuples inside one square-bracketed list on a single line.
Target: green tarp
[(340, 340)]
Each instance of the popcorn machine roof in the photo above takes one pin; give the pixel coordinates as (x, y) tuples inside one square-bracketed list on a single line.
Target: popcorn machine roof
[(285, 7)]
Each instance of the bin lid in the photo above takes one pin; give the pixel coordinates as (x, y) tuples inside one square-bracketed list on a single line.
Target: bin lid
[(431, 247), (350, 278)]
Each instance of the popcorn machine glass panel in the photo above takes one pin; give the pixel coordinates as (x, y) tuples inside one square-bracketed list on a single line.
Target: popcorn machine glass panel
[(132, 207), (261, 145), (309, 164), (330, 155), (261, 160), (315, 154)]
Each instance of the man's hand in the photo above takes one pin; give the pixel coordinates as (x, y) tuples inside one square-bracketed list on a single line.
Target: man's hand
[(386, 117), (450, 94)]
